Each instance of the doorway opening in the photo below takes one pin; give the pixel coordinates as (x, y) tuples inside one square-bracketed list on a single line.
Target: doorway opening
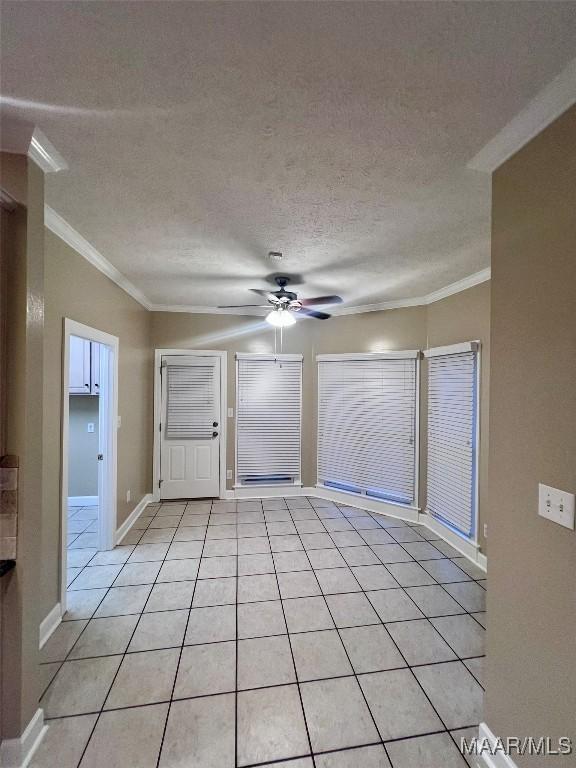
[(89, 424)]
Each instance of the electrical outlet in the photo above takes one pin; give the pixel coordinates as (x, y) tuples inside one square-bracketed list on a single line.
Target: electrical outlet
[(90, 427), (128, 494), (228, 474), (119, 421), (485, 530), (556, 505), (230, 413)]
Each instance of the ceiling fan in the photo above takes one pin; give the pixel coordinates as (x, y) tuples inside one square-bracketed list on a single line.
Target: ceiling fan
[(285, 303)]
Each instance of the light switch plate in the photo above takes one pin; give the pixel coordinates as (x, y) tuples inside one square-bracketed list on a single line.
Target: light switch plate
[(90, 426), (230, 413), (228, 474), (556, 505)]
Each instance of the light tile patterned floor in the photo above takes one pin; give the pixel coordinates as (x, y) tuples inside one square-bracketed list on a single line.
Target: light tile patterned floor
[(82, 538), (289, 631)]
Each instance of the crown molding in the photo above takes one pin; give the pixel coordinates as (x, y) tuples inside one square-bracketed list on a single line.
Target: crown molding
[(419, 301), (60, 227), (380, 306), (195, 310), (460, 285), (552, 101), (45, 154)]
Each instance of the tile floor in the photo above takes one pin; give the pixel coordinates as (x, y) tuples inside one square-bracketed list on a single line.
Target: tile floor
[(294, 632), (82, 538)]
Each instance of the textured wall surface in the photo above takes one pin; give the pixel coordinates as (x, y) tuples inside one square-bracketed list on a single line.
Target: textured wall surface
[(76, 290), (531, 673), (21, 609)]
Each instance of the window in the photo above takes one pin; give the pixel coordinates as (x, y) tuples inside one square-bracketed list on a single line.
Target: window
[(367, 424), (191, 398), (268, 423), (453, 436)]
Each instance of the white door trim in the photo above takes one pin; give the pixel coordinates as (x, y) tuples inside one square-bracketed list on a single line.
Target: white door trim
[(109, 438), (158, 354)]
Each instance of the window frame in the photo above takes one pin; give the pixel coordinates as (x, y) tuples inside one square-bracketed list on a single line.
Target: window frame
[(238, 484), (414, 354), (454, 349)]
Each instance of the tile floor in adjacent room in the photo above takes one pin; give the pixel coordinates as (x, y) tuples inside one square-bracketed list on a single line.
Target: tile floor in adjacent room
[(291, 631), (82, 538)]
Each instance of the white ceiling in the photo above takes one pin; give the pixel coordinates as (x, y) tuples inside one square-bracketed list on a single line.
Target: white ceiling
[(201, 135)]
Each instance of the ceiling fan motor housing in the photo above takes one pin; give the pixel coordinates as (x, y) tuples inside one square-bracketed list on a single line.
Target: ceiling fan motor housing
[(282, 282)]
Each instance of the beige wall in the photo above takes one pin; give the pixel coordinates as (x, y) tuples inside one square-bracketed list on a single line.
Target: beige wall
[(21, 612), (462, 317), (231, 333), (83, 446), (396, 329), (76, 290), (531, 675), (369, 332)]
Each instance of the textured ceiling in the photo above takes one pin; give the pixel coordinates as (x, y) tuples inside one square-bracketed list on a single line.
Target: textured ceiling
[(201, 135)]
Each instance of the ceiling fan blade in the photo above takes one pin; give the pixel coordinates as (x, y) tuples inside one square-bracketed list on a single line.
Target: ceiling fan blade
[(267, 294), (238, 306), (321, 300), (314, 313)]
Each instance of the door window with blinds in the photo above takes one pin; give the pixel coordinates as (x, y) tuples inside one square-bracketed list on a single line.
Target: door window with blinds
[(453, 436), (190, 398), (268, 419), (367, 424)]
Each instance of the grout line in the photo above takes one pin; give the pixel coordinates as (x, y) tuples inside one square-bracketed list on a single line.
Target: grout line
[(119, 666), (293, 659), (236, 658), (377, 730), (182, 644), (275, 572)]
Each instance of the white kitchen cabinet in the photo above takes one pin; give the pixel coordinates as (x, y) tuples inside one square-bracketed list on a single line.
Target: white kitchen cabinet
[(80, 352), (94, 368), (84, 367)]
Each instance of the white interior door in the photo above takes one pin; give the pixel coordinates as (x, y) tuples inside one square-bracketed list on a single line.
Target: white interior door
[(189, 427)]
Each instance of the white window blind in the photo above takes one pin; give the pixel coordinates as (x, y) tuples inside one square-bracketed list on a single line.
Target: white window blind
[(268, 419), (452, 436), (367, 410), (190, 405)]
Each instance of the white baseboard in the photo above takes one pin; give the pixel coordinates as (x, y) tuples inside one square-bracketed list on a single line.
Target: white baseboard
[(482, 561), (82, 501), (403, 512), (132, 517), (266, 491), (498, 760), (17, 753), (388, 508), (469, 549), (50, 623)]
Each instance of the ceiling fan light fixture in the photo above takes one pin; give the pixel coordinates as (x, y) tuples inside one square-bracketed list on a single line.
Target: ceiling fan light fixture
[(280, 318)]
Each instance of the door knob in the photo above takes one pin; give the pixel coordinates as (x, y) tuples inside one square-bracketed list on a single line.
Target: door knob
[(214, 434), (215, 424), (100, 457)]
